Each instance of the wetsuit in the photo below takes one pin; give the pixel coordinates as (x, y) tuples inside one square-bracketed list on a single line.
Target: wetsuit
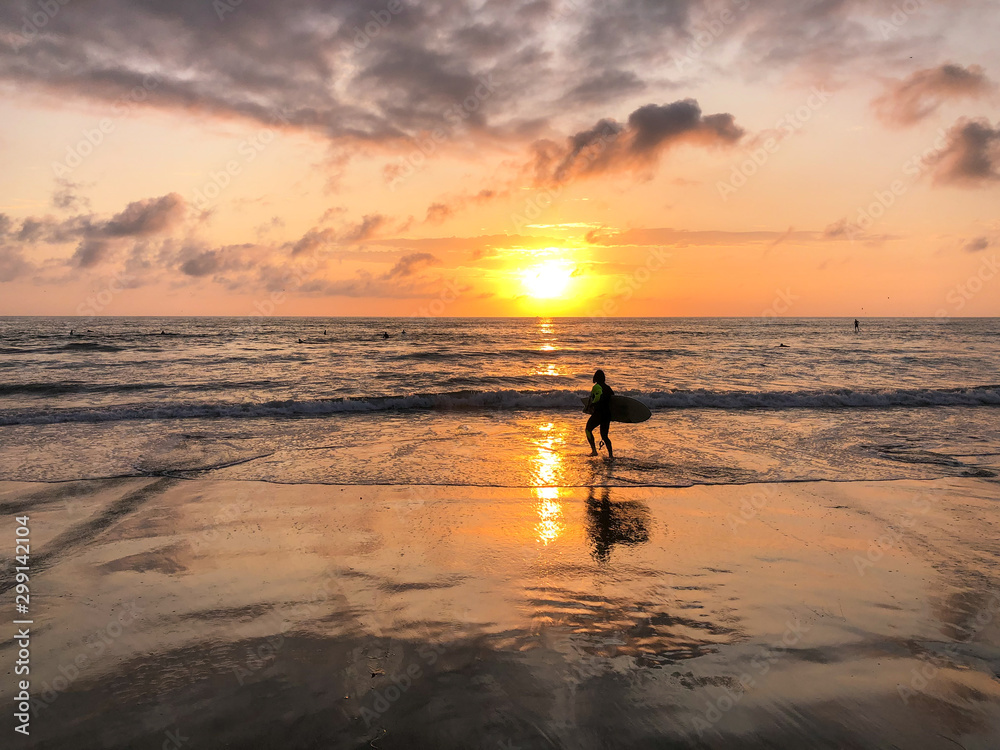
[(600, 397)]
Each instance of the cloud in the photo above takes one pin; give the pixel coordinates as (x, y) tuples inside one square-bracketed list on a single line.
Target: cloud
[(12, 263), (370, 224), (604, 86), (198, 261), (438, 212), (90, 252), (67, 196), (201, 264), (976, 245), (318, 239), (650, 130), (313, 240), (410, 264), (142, 218), (483, 244), (613, 34), (838, 229), (906, 102), (97, 239), (970, 156), (328, 67), (145, 217), (364, 284), (444, 208), (667, 236)]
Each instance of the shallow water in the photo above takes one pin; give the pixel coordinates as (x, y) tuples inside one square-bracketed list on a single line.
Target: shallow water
[(496, 402)]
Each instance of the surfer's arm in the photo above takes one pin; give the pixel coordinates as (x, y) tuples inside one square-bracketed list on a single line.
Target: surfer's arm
[(595, 394)]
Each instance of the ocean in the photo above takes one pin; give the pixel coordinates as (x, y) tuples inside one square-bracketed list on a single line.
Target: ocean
[(495, 402)]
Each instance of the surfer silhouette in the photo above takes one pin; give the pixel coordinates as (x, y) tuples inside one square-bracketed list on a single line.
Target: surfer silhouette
[(857, 326), (621, 522), (600, 402)]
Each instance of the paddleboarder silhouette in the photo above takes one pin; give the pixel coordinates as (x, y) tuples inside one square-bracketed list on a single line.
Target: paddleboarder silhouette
[(599, 408)]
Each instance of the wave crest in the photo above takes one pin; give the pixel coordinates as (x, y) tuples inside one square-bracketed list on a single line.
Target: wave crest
[(511, 400)]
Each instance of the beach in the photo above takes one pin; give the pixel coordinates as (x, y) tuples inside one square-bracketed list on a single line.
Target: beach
[(252, 614), (499, 375), (240, 540)]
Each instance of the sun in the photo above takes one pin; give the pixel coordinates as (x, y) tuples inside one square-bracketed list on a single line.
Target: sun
[(547, 280)]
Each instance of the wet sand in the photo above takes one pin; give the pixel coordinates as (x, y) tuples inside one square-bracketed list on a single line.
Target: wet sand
[(245, 614)]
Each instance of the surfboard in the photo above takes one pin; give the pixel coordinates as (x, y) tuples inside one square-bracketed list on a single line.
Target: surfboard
[(624, 409)]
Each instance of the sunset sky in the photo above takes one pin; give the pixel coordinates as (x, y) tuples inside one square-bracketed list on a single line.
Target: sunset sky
[(563, 157)]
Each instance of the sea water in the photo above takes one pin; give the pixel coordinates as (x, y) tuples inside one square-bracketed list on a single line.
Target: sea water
[(496, 402)]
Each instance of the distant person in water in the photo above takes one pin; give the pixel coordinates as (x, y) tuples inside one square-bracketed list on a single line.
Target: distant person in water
[(385, 334), (857, 326), (600, 401)]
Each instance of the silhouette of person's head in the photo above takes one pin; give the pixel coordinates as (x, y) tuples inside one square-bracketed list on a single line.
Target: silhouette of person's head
[(599, 377)]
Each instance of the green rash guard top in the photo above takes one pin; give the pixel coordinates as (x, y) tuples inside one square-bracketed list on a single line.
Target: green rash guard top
[(600, 398), (595, 394)]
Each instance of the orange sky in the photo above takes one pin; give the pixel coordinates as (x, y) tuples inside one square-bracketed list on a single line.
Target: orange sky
[(738, 157)]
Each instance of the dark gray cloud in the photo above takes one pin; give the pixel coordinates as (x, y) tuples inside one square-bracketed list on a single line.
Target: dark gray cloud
[(201, 264), (313, 240), (410, 264), (351, 69), (91, 251), (623, 31), (835, 39), (971, 155), (908, 101), (650, 130), (654, 125), (608, 85), (33, 230), (96, 238), (198, 261), (145, 217)]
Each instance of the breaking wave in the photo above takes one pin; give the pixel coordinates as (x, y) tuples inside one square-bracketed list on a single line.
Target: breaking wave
[(512, 400)]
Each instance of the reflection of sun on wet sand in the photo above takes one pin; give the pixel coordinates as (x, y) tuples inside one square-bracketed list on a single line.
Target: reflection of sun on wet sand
[(340, 616)]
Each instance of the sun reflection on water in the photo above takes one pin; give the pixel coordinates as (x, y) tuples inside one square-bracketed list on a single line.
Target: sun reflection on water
[(546, 475), (547, 370), (545, 329)]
